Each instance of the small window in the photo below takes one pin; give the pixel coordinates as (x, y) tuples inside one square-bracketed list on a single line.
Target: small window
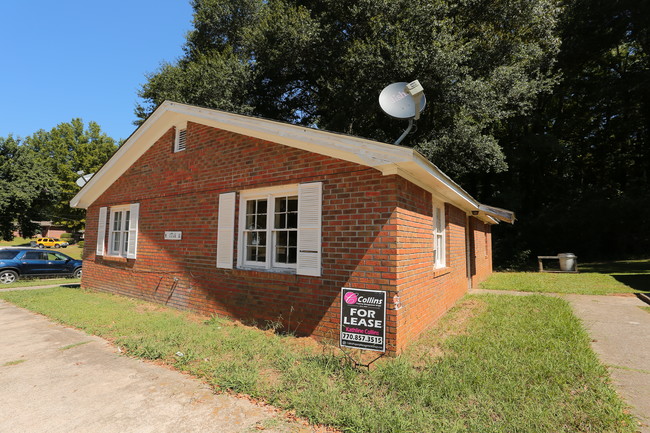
[(180, 141), (119, 231), (8, 255), (438, 236), (54, 256), (33, 255)]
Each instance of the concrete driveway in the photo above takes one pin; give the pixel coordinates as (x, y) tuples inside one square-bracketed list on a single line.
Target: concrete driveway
[(57, 379), (620, 334)]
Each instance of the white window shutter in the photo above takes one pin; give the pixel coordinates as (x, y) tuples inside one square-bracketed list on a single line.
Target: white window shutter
[(310, 199), (226, 230), (132, 249), (101, 231)]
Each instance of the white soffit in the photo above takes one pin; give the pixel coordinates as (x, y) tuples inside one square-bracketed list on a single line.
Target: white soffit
[(387, 158)]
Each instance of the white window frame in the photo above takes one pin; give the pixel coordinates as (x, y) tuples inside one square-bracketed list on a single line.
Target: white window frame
[(268, 194), (123, 230), (439, 226)]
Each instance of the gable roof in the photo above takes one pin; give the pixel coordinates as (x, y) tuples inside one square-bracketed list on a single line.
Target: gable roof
[(387, 158)]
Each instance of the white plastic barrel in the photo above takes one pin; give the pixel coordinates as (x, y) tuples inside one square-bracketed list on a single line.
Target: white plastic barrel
[(567, 261)]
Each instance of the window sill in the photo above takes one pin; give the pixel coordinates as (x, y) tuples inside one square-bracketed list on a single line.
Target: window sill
[(117, 259), (439, 272), (286, 271)]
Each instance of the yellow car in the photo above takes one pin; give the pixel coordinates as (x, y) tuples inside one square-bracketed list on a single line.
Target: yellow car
[(51, 242)]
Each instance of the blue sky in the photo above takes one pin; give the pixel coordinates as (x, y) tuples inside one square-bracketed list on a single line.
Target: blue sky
[(69, 58)]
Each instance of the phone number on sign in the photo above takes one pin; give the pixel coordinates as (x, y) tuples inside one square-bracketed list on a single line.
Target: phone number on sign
[(363, 338)]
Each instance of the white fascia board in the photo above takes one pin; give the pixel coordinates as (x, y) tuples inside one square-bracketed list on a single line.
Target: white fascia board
[(349, 148), (121, 160), (426, 175), (498, 213)]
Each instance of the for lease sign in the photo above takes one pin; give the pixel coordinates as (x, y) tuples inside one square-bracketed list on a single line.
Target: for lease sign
[(363, 319)]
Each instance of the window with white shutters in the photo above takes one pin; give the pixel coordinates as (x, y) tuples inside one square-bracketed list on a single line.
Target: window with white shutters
[(279, 228), (122, 231)]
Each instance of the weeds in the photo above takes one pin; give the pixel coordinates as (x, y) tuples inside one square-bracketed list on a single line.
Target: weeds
[(500, 364)]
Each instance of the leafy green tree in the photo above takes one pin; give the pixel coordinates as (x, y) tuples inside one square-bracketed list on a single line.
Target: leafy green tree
[(27, 188), (65, 150), (323, 63), (579, 163)]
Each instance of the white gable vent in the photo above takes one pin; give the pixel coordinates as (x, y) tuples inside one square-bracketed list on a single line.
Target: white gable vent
[(180, 141)]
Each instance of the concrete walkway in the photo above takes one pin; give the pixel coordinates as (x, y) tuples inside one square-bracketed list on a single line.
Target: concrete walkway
[(620, 334), (56, 379)]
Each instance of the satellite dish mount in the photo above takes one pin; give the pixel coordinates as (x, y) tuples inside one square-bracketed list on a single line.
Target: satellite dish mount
[(403, 101)]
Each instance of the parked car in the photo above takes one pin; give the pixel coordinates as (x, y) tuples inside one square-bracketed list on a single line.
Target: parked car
[(51, 242), (32, 262)]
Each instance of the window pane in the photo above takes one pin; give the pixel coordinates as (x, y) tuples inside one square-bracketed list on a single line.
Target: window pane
[(292, 221), (127, 218), (261, 207), (125, 248), (251, 254), (280, 221), (281, 205), (117, 222), (292, 204), (292, 255), (262, 238), (261, 221), (281, 254), (116, 242), (250, 222), (282, 238)]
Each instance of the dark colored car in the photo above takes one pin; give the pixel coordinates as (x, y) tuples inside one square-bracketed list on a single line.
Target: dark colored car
[(33, 262)]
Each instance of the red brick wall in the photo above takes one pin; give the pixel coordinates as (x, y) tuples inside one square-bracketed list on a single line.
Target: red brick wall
[(426, 293), (481, 251), (363, 212)]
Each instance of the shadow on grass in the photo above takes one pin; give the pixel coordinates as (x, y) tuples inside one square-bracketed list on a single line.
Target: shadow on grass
[(637, 282), (619, 267)]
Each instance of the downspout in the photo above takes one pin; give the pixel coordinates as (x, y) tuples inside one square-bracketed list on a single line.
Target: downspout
[(468, 264)]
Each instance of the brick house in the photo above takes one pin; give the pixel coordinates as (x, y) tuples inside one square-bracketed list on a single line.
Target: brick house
[(256, 219)]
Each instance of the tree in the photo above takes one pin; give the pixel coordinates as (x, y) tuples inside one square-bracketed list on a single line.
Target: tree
[(579, 163), (64, 151), (323, 63), (27, 188)]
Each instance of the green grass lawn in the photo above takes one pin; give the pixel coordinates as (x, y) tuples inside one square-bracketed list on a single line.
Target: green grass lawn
[(31, 282), (493, 364), (631, 276)]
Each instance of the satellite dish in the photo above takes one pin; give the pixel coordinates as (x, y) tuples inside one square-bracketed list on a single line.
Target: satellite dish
[(403, 101), (84, 179), (397, 102)]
